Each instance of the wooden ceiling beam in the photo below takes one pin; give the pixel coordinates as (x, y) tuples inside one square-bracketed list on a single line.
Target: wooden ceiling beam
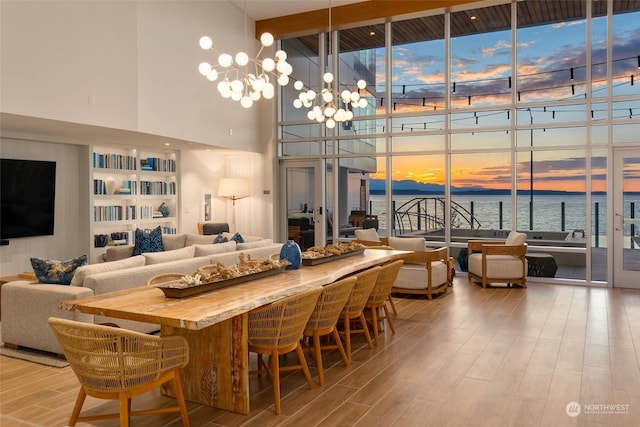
[(348, 16)]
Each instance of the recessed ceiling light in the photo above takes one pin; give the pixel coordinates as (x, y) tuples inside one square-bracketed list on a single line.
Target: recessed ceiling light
[(167, 144), (372, 33), (472, 17)]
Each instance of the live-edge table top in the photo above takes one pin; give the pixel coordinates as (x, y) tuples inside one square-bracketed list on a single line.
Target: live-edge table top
[(148, 303)]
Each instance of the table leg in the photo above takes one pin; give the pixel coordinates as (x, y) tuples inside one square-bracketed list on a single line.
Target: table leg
[(218, 373)]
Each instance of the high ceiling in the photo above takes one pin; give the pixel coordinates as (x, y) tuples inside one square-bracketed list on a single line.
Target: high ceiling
[(471, 21), (266, 9)]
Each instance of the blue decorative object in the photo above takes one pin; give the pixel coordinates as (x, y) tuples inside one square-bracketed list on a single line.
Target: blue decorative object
[(291, 252), (164, 209), (56, 272), (220, 238), (148, 241), (237, 238)]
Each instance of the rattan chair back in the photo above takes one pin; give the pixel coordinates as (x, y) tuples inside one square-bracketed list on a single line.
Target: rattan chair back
[(280, 324), (113, 359), (118, 364), (330, 304), (365, 282), (386, 279)]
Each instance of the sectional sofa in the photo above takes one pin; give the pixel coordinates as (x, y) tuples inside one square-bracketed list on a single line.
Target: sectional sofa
[(26, 306)]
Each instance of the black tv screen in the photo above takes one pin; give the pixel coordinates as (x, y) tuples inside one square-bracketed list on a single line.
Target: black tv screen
[(27, 198)]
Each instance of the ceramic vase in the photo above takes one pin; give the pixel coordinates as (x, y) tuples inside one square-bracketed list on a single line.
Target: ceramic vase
[(291, 252)]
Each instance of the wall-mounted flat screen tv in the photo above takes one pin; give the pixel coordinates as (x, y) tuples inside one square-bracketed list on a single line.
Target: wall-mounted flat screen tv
[(27, 198)]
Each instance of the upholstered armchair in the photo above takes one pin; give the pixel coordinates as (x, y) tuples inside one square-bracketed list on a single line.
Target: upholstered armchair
[(424, 272), (499, 261), (369, 237)]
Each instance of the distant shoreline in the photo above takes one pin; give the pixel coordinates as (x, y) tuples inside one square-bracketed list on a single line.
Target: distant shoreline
[(488, 193)]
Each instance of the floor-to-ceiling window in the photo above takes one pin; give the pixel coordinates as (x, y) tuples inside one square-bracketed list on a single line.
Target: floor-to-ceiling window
[(480, 121)]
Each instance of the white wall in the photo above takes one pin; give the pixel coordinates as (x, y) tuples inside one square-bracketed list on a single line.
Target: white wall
[(129, 65), (71, 232), (60, 56)]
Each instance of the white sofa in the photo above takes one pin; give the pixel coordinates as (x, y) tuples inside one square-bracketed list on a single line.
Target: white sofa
[(27, 306)]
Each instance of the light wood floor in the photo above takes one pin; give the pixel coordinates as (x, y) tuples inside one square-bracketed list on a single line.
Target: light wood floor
[(494, 357)]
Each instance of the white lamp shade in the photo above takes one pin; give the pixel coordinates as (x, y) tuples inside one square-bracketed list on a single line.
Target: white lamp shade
[(233, 188)]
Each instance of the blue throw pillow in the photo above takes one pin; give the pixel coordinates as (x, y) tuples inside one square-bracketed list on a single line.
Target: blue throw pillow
[(220, 239), (148, 241), (237, 238), (56, 272)]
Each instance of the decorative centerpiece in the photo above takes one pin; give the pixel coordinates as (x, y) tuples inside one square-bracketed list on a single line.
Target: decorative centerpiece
[(219, 275), (320, 254)]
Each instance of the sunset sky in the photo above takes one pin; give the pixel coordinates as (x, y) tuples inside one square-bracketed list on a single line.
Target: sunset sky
[(481, 66)]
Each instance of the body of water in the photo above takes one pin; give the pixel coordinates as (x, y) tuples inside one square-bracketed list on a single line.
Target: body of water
[(547, 211)]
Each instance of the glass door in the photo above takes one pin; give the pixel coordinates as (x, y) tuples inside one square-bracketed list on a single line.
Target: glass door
[(626, 230), (303, 202)]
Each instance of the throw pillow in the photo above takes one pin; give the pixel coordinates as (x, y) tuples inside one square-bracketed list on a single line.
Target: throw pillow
[(237, 238), (148, 241), (56, 272), (220, 239)]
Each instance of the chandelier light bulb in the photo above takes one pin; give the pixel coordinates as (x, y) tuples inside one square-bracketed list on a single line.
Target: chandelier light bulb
[(298, 85), (237, 86), (281, 55), (269, 91), (331, 123), (236, 96), (212, 76), (355, 96), (328, 77), (303, 97), (266, 39), (297, 103), (258, 85), (242, 59), (255, 95), (246, 102), (361, 84), (311, 94), (224, 89), (225, 60), (204, 68), (283, 80), (268, 64), (327, 96), (206, 42), (362, 103), (345, 95)]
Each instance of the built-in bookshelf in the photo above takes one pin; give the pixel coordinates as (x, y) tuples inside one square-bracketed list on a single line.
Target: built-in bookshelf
[(132, 188)]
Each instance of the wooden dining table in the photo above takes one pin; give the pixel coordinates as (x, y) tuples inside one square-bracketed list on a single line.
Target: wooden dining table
[(215, 323)]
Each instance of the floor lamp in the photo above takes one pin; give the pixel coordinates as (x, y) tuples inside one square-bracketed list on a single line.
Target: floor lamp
[(233, 189)]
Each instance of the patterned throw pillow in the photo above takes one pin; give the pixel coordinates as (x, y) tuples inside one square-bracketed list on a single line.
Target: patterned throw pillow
[(220, 239), (237, 238), (148, 241), (56, 272)]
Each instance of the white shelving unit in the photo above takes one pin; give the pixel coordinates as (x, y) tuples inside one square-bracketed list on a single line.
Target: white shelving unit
[(129, 186)]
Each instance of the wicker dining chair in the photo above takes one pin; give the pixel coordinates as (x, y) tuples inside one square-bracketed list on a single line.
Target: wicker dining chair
[(324, 318), (276, 329), (118, 364), (354, 307), (380, 294)]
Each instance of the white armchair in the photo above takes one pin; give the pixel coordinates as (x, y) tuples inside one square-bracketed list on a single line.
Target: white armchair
[(499, 261), (369, 237), (425, 272)]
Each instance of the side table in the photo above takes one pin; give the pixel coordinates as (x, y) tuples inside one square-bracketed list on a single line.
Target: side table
[(541, 265), (7, 279)]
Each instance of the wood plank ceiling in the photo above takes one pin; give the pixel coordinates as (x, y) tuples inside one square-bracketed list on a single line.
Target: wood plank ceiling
[(472, 21)]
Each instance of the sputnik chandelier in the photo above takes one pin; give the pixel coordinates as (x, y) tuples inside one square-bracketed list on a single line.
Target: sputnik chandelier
[(325, 106), (247, 79)]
